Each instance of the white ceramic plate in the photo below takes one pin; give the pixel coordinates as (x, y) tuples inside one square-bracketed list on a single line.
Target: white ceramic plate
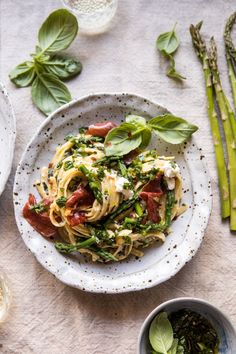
[(7, 136), (159, 262)]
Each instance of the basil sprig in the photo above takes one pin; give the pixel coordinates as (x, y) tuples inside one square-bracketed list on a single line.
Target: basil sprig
[(47, 68), (168, 43), (136, 132), (161, 336)]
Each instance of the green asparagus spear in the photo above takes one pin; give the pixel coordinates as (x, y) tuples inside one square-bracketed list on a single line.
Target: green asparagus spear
[(230, 53), (107, 256), (126, 204), (201, 52), (138, 209), (229, 125), (68, 248), (170, 201)]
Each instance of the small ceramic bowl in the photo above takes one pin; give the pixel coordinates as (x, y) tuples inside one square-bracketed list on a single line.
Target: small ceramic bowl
[(219, 320)]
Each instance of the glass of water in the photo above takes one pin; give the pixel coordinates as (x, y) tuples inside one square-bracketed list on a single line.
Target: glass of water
[(5, 296), (93, 16)]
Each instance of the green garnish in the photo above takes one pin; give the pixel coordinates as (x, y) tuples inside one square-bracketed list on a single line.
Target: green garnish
[(138, 209), (38, 208), (59, 165), (195, 333), (61, 202), (46, 69), (100, 173), (168, 43), (183, 332), (93, 182), (136, 133), (68, 165), (161, 334)]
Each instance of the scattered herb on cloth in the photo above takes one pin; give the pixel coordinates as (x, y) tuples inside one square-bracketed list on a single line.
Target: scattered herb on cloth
[(182, 332), (168, 44), (47, 68), (136, 132)]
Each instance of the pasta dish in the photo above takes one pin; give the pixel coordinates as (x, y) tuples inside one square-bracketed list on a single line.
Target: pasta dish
[(106, 207)]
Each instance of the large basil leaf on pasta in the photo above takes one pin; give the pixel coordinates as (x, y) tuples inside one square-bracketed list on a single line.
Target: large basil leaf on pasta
[(58, 31), (140, 123), (63, 68), (23, 74), (49, 93), (123, 139), (173, 130), (136, 120), (161, 334)]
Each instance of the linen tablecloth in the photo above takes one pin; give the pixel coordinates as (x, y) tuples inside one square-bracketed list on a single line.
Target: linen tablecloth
[(46, 316)]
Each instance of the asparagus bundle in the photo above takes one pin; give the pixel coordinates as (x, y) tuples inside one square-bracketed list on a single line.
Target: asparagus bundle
[(201, 51), (230, 52), (229, 126)]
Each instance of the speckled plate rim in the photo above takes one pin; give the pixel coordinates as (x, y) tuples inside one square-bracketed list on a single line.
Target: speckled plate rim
[(192, 245), (161, 306), (12, 137)]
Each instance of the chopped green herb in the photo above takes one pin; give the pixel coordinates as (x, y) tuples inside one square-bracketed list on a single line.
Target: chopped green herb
[(61, 202), (94, 183), (59, 165), (68, 165), (38, 208), (82, 130), (69, 137), (73, 185), (100, 173)]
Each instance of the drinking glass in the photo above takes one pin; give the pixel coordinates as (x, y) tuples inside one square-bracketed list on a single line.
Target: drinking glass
[(93, 16), (5, 296)]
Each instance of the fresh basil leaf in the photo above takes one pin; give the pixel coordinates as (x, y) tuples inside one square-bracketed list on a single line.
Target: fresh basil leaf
[(58, 31), (23, 74), (161, 333), (123, 139), (38, 49), (172, 73), (63, 68), (49, 93), (42, 59), (173, 130), (174, 347), (140, 122), (146, 137), (168, 42), (136, 120)]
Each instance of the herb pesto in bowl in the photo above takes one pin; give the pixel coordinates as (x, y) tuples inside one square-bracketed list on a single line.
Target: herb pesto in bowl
[(187, 326)]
